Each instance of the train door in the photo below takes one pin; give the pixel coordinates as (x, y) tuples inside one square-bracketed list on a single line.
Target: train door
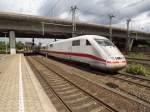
[(76, 50)]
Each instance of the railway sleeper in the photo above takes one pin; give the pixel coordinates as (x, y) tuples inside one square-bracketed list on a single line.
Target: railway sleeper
[(72, 95), (77, 99), (68, 92), (64, 88)]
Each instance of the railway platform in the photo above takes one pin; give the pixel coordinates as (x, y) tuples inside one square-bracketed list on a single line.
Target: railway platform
[(20, 90)]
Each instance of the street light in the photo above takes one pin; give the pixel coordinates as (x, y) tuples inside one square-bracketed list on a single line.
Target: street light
[(5, 41)]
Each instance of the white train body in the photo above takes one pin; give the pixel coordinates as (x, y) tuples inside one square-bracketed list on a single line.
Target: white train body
[(97, 51)]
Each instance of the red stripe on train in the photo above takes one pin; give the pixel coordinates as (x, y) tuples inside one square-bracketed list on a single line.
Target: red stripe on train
[(87, 56)]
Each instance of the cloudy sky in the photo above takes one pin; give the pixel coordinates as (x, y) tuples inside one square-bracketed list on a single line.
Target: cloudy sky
[(94, 11)]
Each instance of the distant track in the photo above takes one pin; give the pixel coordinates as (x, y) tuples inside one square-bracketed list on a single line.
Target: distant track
[(141, 61)]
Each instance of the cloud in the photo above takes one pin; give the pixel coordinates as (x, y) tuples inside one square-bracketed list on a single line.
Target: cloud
[(20, 6)]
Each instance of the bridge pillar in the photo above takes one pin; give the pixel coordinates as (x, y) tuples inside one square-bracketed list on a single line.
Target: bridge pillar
[(12, 41)]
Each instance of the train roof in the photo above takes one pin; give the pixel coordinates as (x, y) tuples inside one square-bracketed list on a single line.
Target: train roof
[(81, 37)]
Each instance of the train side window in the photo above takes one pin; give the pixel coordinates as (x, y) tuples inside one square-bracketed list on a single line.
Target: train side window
[(51, 45), (76, 43), (88, 43)]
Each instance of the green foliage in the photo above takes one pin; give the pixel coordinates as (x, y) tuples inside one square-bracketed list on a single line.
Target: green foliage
[(19, 45), (2, 47), (137, 69), (138, 55)]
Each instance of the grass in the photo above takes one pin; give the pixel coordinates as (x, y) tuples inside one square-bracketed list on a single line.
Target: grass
[(137, 69)]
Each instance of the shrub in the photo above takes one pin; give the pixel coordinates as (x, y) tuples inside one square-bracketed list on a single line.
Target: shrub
[(137, 69)]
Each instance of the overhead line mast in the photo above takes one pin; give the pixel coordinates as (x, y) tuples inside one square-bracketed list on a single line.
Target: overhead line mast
[(73, 10), (128, 35), (110, 26)]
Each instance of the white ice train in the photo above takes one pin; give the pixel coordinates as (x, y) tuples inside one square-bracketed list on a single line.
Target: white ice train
[(97, 51)]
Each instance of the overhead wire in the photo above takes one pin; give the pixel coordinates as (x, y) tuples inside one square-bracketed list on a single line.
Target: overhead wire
[(72, 2)]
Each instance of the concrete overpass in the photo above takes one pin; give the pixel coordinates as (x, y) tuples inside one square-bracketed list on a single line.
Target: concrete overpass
[(28, 26)]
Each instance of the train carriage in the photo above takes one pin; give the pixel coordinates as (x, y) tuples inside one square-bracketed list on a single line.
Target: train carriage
[(97, 51)]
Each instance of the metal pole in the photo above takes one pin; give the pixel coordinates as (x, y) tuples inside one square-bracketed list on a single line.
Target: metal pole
[(46, 56), (110, 26), (43, 29), (128, 36), (33, 44), (73, 9), (5, 41)]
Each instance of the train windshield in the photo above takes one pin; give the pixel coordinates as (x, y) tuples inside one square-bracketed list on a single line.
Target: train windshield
[(102, 42)]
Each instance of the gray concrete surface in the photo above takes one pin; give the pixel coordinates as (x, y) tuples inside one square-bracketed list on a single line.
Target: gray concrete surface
[(12, 42)]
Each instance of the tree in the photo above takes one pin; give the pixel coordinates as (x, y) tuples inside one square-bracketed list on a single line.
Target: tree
[(19, 45), (2, 45)]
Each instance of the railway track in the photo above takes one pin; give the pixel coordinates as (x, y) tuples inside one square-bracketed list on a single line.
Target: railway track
[(138, 80), (121, 97), (130, 80), (144, 61), (141, 61), (59, 104), (141, 82), (146, 56), (74, 98)]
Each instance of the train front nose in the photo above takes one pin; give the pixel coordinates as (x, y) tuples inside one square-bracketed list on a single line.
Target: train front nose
[(116, 65)]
